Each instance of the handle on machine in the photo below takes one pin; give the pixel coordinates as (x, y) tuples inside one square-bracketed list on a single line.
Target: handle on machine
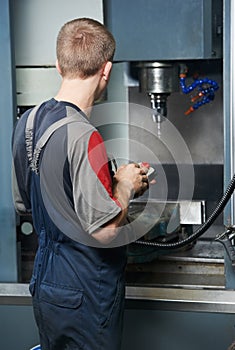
[(226, 239)]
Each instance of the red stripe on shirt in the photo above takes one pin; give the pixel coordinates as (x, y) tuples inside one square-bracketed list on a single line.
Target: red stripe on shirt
[(99, 162)]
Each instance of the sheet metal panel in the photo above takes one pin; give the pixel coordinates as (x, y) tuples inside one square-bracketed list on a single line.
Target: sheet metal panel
[(8, 267), (165, 29)]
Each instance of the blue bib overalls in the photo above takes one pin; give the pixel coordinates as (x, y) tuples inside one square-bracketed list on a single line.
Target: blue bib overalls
[(77, 290)]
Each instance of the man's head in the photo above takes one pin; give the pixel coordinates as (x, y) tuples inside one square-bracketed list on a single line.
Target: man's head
[(83, 47)]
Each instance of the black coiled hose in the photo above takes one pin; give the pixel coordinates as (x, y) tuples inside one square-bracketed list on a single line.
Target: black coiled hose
[(199, 232)]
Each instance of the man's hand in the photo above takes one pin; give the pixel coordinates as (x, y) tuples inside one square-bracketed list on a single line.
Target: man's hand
[(130, 179)]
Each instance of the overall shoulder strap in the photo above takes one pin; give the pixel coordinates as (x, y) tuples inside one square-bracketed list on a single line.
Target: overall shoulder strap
[(29, 133), (34, 164)]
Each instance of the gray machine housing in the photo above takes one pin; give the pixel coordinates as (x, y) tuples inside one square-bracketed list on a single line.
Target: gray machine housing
[(193, 30)]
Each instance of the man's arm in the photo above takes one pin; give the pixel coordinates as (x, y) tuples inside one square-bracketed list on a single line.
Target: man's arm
[(129, 181), (17, 198)]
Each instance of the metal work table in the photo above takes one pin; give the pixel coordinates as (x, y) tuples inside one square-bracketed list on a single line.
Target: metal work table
[(190, 280), (15, 294), (185, 290), (185, 299), (165, 298)]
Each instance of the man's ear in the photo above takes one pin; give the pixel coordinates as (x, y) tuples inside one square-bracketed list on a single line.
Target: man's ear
[(107, 70), (58, 66)]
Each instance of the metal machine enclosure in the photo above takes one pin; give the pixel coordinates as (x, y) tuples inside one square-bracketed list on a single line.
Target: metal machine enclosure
[(149, 30), (145, 30)]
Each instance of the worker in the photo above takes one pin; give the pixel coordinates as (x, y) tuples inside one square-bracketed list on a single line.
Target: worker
[(79, 208)]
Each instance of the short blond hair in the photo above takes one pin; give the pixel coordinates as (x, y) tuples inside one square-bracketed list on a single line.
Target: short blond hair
[(83, 46)]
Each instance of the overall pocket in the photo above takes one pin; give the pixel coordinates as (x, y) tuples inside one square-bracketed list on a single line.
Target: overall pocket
[(61, 296), (62, 315)]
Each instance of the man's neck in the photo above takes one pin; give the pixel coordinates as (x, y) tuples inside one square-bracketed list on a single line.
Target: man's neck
[(80, 92)]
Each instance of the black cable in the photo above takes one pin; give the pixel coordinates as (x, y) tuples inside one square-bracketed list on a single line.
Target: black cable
[(199, 232)]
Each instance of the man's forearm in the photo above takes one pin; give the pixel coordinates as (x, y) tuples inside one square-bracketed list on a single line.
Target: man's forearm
[(123, 194)]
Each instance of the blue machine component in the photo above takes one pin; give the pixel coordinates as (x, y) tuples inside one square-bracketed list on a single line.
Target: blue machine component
[(205, 91), (7, 109)]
